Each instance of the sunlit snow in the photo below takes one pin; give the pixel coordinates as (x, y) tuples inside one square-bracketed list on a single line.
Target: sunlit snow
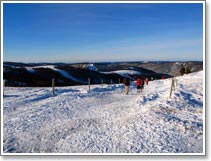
[(124, 73), (105, 120)]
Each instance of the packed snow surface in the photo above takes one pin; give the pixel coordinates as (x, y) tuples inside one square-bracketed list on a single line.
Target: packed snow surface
[(106, 120)]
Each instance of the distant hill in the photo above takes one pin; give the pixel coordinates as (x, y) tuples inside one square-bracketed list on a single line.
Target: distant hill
[(172, 68), (161, 67), (41, 74)]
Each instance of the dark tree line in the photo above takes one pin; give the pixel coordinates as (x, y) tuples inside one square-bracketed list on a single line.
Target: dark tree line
[(184, 70)]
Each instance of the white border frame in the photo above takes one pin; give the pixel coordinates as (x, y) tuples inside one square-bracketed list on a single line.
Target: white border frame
[(103, 154)]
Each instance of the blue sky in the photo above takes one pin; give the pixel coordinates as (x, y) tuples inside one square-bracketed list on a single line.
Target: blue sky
[(39, 32)]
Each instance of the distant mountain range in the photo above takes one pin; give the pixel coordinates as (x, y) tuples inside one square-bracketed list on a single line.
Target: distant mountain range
[(41, 74)]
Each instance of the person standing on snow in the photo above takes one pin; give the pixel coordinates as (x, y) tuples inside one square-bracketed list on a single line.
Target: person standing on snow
[(147, 80), (142, 85), (138, 85), (127, 84)]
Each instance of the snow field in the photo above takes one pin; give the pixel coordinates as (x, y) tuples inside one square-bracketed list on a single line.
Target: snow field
[(105, 120)]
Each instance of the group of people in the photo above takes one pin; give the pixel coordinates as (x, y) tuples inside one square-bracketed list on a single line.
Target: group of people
[(139, 84)]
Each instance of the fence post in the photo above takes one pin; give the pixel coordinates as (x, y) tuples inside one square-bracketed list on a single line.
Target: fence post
[(111, 82), (119, 81), (53, 84), (176, 82), (172, 87), (89, 82)]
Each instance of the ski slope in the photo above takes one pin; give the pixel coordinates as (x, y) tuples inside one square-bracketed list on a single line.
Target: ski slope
[(62, 72), (105, 120)]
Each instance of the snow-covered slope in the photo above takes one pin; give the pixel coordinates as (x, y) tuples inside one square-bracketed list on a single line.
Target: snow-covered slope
[(105, 120), (90, 67), (124, 72), (62, 72)]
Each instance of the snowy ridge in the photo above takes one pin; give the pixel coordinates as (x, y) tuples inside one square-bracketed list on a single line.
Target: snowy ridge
[(105, 120), (124, 73), (90, 67)]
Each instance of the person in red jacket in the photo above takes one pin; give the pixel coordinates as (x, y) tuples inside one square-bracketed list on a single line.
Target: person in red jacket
[(147, 80), (138, 85)]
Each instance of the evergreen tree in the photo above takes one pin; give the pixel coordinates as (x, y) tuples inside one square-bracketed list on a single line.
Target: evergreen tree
[(187, 70), (182, 70)]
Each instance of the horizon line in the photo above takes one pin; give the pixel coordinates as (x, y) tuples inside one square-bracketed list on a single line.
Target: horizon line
[(86, 62)]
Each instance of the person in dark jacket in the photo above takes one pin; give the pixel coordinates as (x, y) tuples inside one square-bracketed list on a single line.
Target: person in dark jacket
[(127, 84), (142, 85)]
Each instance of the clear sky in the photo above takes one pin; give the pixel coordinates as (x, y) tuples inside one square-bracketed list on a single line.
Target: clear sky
[(39, 32)]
